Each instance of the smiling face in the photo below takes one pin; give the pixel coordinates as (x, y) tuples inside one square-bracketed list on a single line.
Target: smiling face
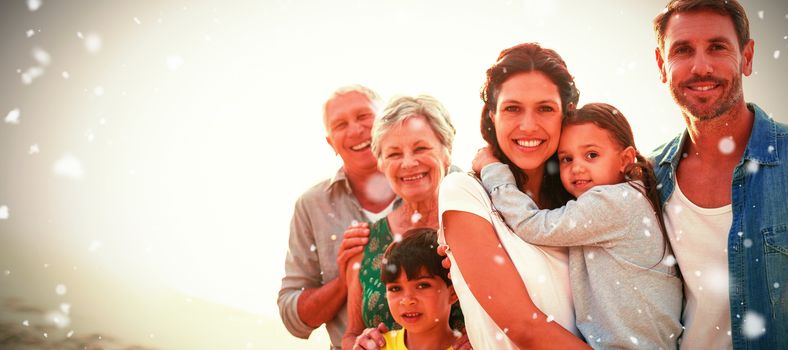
[(348, 120), (413, 159), (422, 304), (588, 157), (527, 120), (703, 63)]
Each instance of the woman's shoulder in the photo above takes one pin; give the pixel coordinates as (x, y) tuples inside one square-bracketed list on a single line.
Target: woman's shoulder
[(461, 180)]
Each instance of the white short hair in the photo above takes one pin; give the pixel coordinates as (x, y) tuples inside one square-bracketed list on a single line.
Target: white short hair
[(373, 97), (404, 107)]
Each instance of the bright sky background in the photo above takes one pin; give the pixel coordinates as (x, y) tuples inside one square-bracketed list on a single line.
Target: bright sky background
[(164, 142)]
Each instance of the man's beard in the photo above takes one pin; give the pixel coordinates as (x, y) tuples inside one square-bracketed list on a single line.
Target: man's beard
[(699, 110)]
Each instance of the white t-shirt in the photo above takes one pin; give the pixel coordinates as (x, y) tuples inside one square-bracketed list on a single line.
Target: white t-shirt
[(374, 217), (544, 270), (699, 237)]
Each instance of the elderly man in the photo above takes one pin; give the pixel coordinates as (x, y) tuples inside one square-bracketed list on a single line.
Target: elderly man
[(314, 288), (723, 182)]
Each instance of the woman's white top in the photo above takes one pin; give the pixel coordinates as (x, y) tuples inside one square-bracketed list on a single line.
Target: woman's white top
[(544, 270)]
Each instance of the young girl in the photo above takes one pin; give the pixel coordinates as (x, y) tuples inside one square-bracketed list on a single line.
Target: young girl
[(626, 292)]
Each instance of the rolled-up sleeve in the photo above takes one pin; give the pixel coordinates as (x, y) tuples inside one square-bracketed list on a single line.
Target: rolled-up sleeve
[(302, 270)]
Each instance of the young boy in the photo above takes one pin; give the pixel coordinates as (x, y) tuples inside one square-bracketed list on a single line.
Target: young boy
[(421, 298)]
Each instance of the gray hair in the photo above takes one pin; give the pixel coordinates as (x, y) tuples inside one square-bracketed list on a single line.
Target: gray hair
[(404, 107), (373, 97)]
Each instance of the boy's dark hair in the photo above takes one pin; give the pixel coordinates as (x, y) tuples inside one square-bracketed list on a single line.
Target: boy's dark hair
[(417, 249)]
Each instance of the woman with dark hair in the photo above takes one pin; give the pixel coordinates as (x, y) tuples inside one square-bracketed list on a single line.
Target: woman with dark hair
[(514, 294)]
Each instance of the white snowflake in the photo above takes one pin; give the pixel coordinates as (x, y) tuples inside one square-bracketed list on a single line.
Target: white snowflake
[(41, 56), (670, 260), (58, 319), (333, 237), (776, 54), (65, 308), (498, 259), (776, 284), (760, 14), (550, 318), (646, 221), (312, 248), (70, 334), (752, 166), (397, 237), (726, 145), (415, 217), (633, 340), (137, 20), (61, 289), (65, 75), (747, 243), (33, 149), (13, 116), (92, 42), (98, 91), (31, 74), (33, 5), (4, 212), (68, 166), (754, 325), (30, 33), (647, 233), (591, 255)]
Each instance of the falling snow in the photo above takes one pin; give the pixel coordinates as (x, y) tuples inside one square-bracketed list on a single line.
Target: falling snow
[(752, 166), (4, 213), (68, 166), (98, 91), (33, 149), (670, 260), (65, 75), (397, 237), (633, 340), (31, 74), (726, 145), (33, 5), (41, 56), (760, 14), (92, 42), (333, 237), (30, 33), (550, 318), (498, 259), (60, 289), (312, 248), (13, 116), (747, 243), (137, 20), (754, 325), (415, 217), (591, 255), (776, 54)]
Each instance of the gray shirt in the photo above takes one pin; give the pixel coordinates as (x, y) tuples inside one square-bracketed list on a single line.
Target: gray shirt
[(319, 221), (624, 294)]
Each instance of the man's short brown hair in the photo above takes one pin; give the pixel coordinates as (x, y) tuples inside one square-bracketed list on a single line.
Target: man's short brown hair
[(730, 8)]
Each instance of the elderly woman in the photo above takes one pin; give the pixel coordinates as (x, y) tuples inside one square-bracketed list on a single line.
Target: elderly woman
[(412, 142)]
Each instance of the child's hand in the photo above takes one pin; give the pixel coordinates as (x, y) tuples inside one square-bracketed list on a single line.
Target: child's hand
[(446, 263), (483, 157), (353, 242), (371, 338)]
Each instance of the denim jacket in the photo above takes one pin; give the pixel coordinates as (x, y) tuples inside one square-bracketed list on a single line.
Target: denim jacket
[(758, 238)]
